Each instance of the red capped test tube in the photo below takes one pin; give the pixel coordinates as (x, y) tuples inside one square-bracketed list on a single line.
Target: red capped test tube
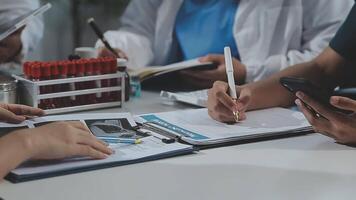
[(89, 71), (27, 70), (56, 88), (105, 63), (36, 76), (72, 70), (115, 96), (63, 74), (97, 71), (46, 75), (80, 71)]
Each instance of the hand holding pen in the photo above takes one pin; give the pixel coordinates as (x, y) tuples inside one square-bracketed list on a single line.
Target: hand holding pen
[(108, 51), (226, 101), (231, 79)]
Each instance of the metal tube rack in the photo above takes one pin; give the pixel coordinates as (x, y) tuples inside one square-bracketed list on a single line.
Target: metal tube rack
[(29, 92)]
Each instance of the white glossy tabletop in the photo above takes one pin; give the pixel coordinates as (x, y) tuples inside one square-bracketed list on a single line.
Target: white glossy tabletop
[(306, 167)]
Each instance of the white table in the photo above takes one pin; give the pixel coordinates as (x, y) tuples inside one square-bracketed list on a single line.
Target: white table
[(307, 167)]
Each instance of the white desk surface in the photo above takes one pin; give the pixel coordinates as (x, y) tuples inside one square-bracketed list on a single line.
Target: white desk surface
[(307, 167)]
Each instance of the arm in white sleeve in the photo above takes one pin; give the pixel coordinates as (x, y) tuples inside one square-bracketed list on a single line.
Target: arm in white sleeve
[(33, 32), (11, 9), (321, 20), (136, 34)]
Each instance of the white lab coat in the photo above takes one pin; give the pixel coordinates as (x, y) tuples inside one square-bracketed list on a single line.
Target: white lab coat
[(270, 34), (31, 35)]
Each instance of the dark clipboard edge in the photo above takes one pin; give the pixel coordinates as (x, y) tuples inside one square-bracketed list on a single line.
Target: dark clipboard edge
[(13, 178), (251, 140)]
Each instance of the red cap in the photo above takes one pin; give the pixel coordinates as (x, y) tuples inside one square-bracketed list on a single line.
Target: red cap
[(63, 68), (113, 65), (36, 71), (96, 65), (46, 69), (54, 69), (26, 67), (106, 68), (80, 67), (89, 68), (71, 68)]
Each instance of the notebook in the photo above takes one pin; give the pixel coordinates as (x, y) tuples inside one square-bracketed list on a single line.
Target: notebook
[(145, 73), (120, 125), (197, 128)]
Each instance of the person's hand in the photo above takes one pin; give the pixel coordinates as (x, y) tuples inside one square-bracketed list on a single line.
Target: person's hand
[(14, 113), (327, 121), (206, 78), (104, 52), (60, 140), (10, 47), (221, 106)]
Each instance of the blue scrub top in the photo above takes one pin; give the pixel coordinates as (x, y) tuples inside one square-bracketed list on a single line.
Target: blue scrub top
[(206, 27)]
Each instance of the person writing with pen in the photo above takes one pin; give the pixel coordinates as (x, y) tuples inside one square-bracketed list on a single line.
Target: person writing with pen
[(52, 141), (335, 65), (264, 36)]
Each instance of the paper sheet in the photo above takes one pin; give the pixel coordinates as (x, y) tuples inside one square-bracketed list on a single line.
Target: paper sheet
[(150, 146), (197, 125)]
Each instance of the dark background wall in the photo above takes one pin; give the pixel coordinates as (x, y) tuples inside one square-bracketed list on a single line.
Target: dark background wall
[(66, 28)]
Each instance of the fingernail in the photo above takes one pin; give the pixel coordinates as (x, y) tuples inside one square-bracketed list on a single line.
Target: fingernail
[(298, 102), (334, 100), (235, 109), (300, 94)]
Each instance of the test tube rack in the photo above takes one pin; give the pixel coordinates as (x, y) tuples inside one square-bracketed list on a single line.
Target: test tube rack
[(29, 92)]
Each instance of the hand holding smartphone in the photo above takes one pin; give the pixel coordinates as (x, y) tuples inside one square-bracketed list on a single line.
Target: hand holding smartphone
[(303, 85)]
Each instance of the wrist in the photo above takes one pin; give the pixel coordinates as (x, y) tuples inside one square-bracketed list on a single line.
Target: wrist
[(25, 143)]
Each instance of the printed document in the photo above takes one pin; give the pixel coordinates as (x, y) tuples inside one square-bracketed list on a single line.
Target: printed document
[(196, 126)]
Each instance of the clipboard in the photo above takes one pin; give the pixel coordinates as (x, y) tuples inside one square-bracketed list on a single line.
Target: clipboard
[(153, 147)]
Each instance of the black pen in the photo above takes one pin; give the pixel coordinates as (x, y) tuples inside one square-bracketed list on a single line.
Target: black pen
[(100, 35)]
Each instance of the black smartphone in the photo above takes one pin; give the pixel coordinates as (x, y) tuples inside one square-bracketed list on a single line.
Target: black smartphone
[(303, 85)]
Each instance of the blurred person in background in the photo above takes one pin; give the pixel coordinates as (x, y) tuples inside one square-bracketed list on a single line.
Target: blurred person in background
[(265, 36), (14, 48)]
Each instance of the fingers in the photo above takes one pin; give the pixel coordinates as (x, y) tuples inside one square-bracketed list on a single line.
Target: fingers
[(222, 115), (343, 103), (320, 124), (10, 117), (316, 106), (79, 125), (23, 110), (104, 52), (220, 105), (244, 99), (216, 58), (86, 151), (93, 142), (222, 96)]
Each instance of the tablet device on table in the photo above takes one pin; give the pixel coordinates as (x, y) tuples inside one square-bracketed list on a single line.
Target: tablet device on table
[(12, 26)]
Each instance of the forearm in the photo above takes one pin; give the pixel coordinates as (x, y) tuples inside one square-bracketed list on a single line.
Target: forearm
[(270, 93), (14, 149), (326, 71)]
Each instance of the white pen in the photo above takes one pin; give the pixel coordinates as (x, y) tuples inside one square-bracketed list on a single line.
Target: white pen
[(230, 78)]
